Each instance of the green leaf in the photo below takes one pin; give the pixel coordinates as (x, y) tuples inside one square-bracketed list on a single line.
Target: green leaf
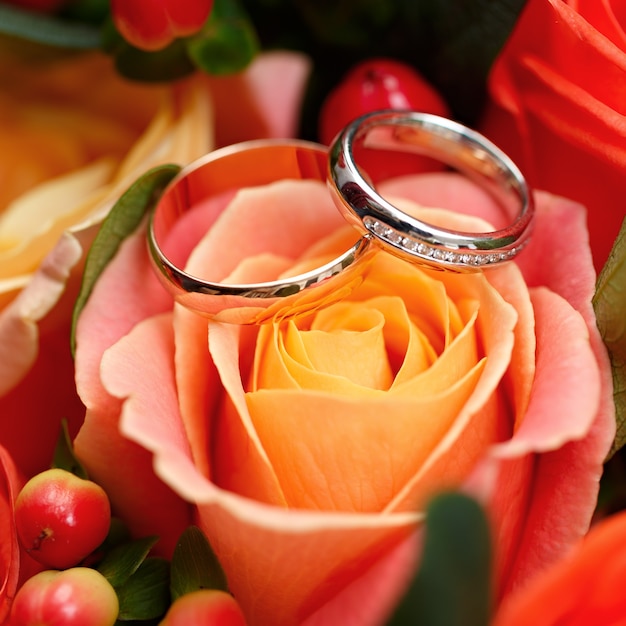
[(228, 42), (46, 29), (168, 64), (145, 595), (91, 11), (609, 303), (123, 219), (124, 560), (64, 457), (452, 585), (194, 565), (118, 534)]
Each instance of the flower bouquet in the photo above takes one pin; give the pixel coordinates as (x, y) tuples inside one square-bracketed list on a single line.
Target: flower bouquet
[(225, 401)]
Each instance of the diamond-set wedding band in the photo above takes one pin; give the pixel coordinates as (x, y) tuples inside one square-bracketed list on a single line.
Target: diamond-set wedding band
[(457, 146)]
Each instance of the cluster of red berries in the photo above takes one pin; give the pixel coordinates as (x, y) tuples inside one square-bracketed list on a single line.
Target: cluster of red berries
[(61, 521)]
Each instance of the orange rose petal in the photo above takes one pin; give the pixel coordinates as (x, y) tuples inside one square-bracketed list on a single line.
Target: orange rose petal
[(407, 350), (562, 225), (283, 368), (257, 549), (410, 351), (268, 358), (284, 362), (457, 359), (507, 329), (377, 444), (507, 279), (372, 595), (428, 305), (357, 351), (456, 456), (138, 295), (483, 419), (585, 587), (298, 354), (240, 461), (199, 386)]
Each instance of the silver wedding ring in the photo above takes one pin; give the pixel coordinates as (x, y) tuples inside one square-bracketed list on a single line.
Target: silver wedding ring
[(233, 168), (457, 146), (378, 223)]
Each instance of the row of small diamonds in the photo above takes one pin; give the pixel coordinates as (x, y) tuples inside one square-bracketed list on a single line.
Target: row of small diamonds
[(427, 251)]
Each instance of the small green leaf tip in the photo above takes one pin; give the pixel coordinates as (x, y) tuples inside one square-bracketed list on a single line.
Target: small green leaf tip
[(609, 303), (123, 219), (452, 586)]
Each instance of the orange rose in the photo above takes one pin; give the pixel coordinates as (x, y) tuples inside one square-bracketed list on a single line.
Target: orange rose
[(557, 107), (308, 447), (585, 587)]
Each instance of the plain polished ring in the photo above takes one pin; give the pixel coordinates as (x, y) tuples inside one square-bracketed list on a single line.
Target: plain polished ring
[(457, 146), (249, 164)]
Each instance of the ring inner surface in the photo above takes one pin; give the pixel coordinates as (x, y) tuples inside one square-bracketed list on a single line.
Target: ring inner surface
[(220, 175), (458, 151)]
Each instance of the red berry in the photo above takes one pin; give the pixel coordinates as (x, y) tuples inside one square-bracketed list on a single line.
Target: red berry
[(154, 24), (61, 518), (79, 596), (206, 607), (374, 85)]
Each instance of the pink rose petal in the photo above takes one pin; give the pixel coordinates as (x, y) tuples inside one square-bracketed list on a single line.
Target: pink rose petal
[(136, 295), (264, 101)]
